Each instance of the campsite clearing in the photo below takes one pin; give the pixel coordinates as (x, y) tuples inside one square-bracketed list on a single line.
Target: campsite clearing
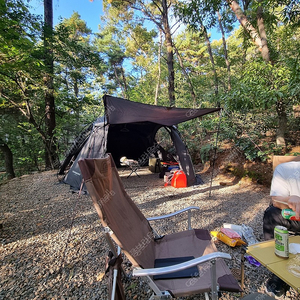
[(52, 245)]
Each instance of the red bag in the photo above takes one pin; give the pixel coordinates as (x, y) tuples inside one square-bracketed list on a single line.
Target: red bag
[(179, 179)]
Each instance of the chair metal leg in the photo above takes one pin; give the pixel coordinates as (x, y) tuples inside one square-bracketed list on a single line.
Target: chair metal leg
[(189, 220), (214, 287), (115, 278), (243, 251), (164, 296), (114, 285), (112, 247)]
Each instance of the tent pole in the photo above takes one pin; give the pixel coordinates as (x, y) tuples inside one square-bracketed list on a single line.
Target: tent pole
[(215, 153)]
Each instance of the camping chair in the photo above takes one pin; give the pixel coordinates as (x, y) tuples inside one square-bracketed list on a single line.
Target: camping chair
[(174, 265), (131, 164)]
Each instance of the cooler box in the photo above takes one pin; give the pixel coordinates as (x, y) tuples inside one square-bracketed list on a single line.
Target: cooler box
[(179, 179)]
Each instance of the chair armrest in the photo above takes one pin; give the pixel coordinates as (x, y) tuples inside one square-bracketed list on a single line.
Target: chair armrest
[(173, 214), (188, 209), (181, 266)]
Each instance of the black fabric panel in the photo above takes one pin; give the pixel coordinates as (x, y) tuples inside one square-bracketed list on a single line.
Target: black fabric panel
[(202, 234), (121, 111), (166, 262), (228, 283), (95, 147), (184, 157)]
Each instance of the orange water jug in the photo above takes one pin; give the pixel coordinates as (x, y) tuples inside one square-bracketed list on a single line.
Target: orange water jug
[(179, 179)]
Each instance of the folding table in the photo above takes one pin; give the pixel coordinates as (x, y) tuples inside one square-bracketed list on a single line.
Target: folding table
[(264, 253), (133, 165)]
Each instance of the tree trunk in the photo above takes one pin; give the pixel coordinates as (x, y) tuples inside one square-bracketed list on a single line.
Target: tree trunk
[(51, 158), (8, 157), (159, 68), (216, 83), (262, 32), (77, 104), (282, 124), (245, 23), (186, 76), (119, 82), (225, 52), (170, 55), (125, 83)]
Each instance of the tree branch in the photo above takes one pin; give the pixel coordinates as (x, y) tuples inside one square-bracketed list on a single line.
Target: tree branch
[(14, 104)]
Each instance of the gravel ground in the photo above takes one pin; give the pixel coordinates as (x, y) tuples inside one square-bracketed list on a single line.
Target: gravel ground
[(52, 245)]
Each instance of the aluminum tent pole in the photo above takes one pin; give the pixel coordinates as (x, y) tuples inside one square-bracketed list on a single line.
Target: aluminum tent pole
[(215, 152)]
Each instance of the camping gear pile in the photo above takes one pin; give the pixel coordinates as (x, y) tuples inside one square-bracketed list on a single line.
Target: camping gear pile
[(176, 178)]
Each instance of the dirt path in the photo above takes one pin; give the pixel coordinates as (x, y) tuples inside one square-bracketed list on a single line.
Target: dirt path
[(52, 245)]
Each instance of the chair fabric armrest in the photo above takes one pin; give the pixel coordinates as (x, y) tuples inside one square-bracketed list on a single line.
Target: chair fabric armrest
[(173, 214), (181, 266)]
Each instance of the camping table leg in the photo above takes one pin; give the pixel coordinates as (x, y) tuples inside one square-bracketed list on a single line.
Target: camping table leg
[(133, 171), (133, 168)]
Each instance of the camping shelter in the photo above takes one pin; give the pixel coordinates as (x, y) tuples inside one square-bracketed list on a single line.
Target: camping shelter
[(128, 129)]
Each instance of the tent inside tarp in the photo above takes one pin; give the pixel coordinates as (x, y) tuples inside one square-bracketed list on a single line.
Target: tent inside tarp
[(129, 129)]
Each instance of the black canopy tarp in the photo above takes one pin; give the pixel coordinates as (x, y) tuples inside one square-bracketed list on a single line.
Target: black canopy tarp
[(129, 129), (121, 111)]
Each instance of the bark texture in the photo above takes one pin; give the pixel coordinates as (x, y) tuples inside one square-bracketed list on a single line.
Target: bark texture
[(8, 158)]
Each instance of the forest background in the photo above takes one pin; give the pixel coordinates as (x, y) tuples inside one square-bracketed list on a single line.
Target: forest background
[(52, 78)]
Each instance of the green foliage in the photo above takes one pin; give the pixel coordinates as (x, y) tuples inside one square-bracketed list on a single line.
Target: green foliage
[(128, 59), (205, 153), (79, 69), (77, 66), (293, 154), (20, 83), (250, 150), (259, 87)]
